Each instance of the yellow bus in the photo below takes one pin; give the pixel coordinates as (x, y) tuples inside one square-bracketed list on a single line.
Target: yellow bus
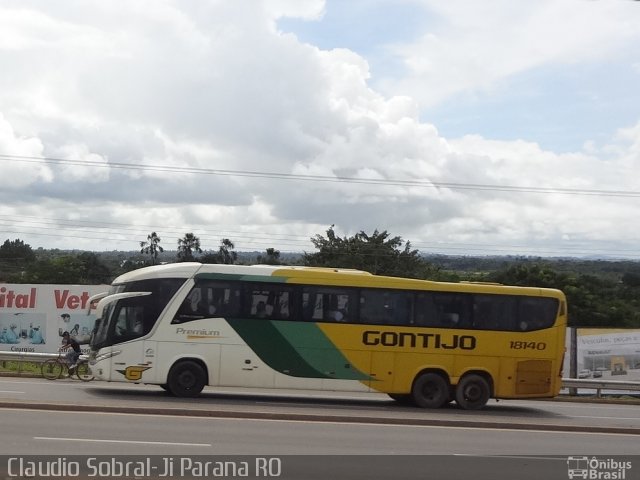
[(187, 325)]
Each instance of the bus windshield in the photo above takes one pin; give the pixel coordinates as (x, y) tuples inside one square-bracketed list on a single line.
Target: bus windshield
[(134, 317)]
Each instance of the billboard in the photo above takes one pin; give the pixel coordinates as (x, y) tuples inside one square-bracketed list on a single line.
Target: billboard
[(33, 317), (609, 353)]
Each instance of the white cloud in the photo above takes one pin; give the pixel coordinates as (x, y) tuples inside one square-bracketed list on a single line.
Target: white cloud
[(15, 172), (476, 45), (214, 86), (307, 9)]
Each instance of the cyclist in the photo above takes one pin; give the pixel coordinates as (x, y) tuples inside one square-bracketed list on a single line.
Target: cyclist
[(72, 357)]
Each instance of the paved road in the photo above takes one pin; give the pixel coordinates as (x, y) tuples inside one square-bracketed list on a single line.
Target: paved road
[(367, 436), (315, 406)]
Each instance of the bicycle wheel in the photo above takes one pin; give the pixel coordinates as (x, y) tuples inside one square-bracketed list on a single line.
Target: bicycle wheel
[(52, 369), (83, 372)]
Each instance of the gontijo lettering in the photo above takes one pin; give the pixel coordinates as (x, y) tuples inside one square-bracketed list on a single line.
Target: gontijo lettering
[(418, 340)]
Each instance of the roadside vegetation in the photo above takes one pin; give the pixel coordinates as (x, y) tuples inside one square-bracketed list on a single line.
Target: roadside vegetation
[(601, 293)]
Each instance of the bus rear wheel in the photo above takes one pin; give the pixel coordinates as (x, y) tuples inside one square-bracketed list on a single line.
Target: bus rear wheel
[(473, 392), (430, 390), (186, 379)]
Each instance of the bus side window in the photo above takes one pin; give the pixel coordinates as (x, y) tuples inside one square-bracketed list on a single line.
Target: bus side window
[(337, 307), (189, 310), (309, 302), (425, 314), (454, 310), (403, 311), (536, 313), (494, 312), (387, 307), (328, 304), (268, 301)]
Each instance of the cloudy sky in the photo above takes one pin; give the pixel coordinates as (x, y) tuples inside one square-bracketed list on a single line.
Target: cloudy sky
[(465, 127)]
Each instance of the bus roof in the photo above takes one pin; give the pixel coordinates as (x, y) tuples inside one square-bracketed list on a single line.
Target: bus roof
[(327, 276)]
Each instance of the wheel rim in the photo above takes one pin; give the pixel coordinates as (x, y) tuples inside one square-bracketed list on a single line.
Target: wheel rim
[(187, 380), (472, 393), (430, 391)]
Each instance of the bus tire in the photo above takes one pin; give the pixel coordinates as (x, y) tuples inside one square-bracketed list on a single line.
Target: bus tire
[(473, 392), (430, 390), (186, 379)]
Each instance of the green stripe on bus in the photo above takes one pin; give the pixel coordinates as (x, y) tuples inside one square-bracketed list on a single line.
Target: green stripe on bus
[(318, 350), (295, 349)]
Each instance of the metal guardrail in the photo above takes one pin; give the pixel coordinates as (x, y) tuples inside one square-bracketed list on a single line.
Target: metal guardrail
[(34, 357), (27, 356), (23, 357), (599, 385)]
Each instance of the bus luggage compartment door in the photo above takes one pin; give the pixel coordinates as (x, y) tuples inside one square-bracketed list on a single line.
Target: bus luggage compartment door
[(533, 377)]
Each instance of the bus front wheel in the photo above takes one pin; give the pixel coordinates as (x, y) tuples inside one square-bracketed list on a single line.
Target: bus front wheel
[(186, 379), (473, 392), (430, 390)]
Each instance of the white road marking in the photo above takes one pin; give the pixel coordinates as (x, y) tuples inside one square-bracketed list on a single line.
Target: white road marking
[(96, 440)]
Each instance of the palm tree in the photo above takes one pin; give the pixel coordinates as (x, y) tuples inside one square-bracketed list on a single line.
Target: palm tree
[(186, 247), (271, 258), (226, 253), (152, 246)]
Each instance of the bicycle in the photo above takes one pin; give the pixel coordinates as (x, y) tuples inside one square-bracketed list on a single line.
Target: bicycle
[(54, 368)]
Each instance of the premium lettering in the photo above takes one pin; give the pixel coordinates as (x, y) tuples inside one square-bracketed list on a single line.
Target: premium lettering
[(200, 332), (418, 340)]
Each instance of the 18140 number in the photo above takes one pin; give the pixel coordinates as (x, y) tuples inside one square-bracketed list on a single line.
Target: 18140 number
[(519, 345)]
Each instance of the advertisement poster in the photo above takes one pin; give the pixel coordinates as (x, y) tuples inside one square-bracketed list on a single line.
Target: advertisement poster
[(610, 354), (33, 317)]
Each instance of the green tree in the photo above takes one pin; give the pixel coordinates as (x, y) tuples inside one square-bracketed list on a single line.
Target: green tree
[(85, 268), (531, 275), (272, 257), (378, 253), (186, 246), (225, 254), (151, 247), (17, 251), (15, 256), (593, 301)]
